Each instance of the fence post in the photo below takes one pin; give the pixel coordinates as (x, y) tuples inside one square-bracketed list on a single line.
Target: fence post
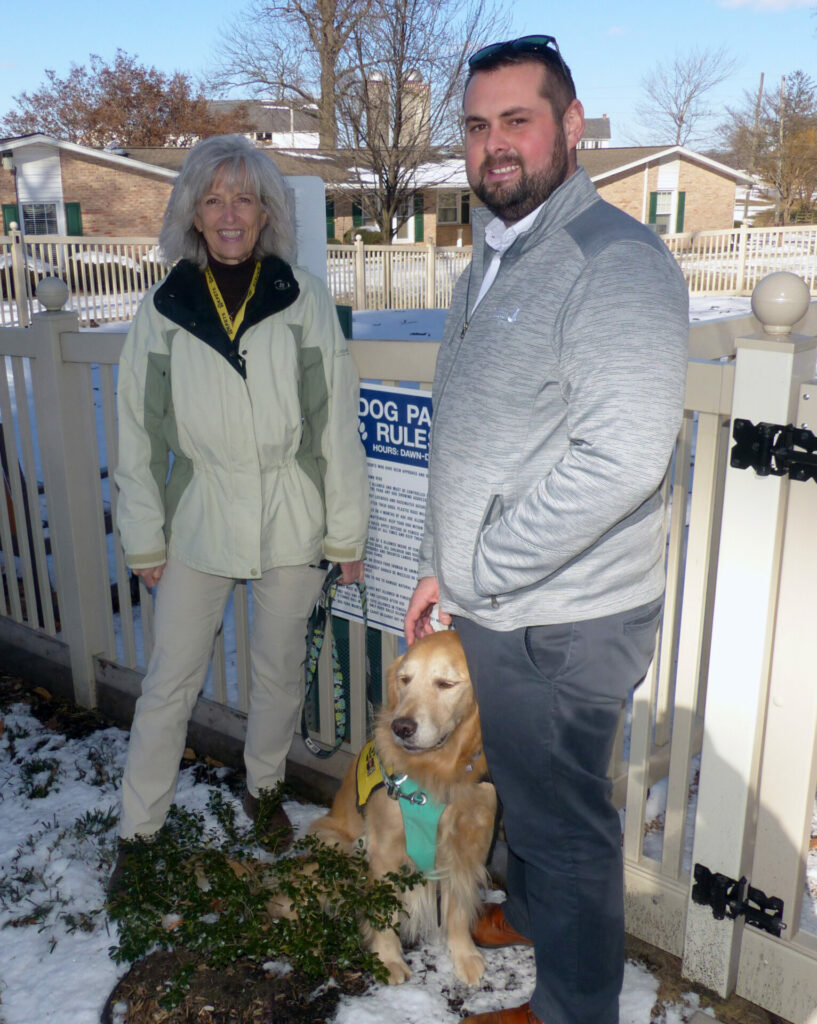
[(70, 461), (754, 509), (19, 273), (431, 275), (743, 246), (387, 254), (360, 274)]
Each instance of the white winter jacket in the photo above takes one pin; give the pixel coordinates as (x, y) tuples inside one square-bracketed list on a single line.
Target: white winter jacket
[(236, 457)]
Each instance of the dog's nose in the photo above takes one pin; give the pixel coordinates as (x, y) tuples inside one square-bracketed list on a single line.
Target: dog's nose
[(404, 728)]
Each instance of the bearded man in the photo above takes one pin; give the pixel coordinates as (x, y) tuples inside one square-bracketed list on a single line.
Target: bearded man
[(558, 395)]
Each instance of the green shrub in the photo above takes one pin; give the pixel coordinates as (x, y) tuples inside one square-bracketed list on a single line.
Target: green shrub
[(370, 236), (202, 890)]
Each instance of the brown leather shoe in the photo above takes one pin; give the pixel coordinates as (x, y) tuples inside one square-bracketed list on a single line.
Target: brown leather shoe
[(493, 930), (513, 1015), (272, 825)]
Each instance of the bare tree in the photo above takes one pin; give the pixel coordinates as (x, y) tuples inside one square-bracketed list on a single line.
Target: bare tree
[(294, 51), (404, 108), (383, 78), (119, 102), (675, 107), (781, 135)]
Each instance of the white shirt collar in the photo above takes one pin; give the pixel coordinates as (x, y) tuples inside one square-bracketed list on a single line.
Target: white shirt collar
[(500, 237)]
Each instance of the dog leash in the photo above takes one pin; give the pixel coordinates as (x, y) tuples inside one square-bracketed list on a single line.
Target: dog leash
[(323, 611)]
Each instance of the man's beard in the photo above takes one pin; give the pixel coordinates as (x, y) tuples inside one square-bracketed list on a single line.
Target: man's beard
[(512, 203)]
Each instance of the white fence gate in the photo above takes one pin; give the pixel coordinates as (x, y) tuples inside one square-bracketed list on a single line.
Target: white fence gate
[(722, 736)]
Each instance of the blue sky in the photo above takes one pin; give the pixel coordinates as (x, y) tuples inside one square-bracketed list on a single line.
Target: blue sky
[(610, 46)]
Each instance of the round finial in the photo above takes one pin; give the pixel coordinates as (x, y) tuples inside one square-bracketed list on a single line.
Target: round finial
[(52, 293), (779, 301)]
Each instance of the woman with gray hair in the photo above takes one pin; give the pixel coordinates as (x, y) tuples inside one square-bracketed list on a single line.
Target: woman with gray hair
[(239, 459)]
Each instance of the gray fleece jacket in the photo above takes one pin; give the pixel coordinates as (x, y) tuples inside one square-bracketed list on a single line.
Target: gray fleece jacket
[(555, 415)]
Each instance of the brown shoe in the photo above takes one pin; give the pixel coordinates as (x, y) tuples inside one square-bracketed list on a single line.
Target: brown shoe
[(116, 882), (492, 930), (271, 822), (513, 1015)]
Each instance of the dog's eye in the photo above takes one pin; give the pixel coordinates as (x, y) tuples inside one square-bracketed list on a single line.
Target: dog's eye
[(404, 680), (443, 684)]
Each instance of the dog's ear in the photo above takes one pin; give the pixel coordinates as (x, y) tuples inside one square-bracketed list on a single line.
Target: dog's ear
[(391, 678)]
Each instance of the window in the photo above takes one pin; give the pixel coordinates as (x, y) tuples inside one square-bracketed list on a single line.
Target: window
[(330, 218), (667, 212), (402, 222), (40, 219), (408, 220), (453, 207), (361, 219), (660, 216)]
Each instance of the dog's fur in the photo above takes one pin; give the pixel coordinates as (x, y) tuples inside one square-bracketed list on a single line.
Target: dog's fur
[(431, 732)]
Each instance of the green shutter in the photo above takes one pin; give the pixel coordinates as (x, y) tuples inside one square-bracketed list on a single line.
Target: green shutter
[(73, 219), (653, 208), (679, 220), (9, 214), (418, 218), (330, 218), (357, 215)]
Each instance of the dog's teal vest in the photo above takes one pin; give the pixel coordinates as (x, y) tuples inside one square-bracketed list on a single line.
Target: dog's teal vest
[(421, 815)]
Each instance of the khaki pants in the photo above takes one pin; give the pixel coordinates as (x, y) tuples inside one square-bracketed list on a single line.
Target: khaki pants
[(189, 608)]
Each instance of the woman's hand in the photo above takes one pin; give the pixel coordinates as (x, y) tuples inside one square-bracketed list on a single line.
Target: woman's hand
[(351, 572), (150, 577)]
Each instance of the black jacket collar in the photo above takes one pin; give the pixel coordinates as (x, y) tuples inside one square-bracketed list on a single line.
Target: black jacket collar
[(185, 300)]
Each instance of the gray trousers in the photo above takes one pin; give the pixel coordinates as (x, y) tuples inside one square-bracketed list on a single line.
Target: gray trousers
[(189, 608), (550, 699)]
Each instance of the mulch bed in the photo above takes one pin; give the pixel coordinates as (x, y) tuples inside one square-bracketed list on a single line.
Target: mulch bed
[(242, 994)]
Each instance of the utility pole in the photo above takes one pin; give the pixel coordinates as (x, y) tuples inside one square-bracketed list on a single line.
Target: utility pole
[(753, 153), (780, 152)]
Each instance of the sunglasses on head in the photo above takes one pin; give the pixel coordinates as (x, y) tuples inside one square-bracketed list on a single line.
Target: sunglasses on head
[(545, 45)]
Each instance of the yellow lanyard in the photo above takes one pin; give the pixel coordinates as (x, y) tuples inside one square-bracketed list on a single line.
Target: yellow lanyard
[(230, 324)]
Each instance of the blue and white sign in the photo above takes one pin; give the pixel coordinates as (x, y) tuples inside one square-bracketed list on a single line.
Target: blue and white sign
[(395, 424)]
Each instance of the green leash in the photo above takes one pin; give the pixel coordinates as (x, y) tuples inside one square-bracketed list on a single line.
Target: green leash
[(323, 610)]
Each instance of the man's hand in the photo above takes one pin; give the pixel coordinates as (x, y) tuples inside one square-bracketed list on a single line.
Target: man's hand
[(151, 576), (417, 622), (351, 572)]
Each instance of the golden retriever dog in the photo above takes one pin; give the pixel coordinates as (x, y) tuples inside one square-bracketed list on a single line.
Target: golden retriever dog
[(429, 741)]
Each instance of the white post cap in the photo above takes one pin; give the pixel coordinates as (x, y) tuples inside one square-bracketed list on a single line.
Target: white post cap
[(52, 293), (779, 301)]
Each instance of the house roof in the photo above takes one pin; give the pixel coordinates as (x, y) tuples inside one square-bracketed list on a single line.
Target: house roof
[(605, 163), (331, 165), (339, 168), (268, 116), (597, 128), (116, 158)]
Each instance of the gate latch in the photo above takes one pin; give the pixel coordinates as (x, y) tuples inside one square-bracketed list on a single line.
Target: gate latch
[(730, 898), (770, 449)]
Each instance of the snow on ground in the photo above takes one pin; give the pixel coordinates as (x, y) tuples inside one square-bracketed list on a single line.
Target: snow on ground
[(56, 967), (427, 324)]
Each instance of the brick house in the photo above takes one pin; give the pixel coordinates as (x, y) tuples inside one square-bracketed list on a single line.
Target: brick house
[(670, 187), (68, 189)]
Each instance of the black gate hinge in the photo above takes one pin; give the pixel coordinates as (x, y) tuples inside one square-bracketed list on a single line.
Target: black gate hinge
[(770, 449), (730, 898)]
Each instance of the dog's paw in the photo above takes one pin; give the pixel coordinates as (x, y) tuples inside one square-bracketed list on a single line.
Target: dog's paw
[(399, 971), (468, 967)]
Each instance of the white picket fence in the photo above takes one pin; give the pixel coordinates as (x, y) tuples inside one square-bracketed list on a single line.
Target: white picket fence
[(108, 276), (725, 725)]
